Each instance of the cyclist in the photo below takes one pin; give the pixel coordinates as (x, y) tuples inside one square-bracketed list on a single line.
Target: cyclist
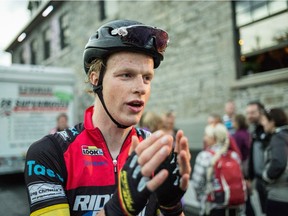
[(105, 166)]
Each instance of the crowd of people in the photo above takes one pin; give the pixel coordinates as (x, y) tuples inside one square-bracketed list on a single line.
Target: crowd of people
[(261, 137), (256, 139)]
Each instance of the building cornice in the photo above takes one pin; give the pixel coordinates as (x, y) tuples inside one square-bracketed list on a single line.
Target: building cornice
[(35, 20)]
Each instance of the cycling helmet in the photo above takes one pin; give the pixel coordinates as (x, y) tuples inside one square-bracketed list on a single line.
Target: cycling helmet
[(126, 35), (123, 35)]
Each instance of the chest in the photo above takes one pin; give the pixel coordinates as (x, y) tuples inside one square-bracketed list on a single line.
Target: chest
[(90, 163)]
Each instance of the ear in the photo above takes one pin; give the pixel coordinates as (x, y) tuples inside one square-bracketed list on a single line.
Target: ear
[(94, 77)]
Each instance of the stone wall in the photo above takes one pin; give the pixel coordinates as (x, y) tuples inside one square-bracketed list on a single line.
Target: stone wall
[(197, 75)]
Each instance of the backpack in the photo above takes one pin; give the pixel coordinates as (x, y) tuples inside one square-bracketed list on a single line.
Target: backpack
[(228, 187)]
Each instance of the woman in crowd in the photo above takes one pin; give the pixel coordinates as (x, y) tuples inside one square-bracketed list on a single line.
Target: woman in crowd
[(216, 139), (214, 119), (241, 135), (275, 173)]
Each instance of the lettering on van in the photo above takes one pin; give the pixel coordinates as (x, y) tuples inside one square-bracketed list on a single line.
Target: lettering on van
[(35, 91)]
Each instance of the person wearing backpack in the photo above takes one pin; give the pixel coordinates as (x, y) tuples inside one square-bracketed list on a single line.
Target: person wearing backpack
[(275, 174), (217, 177)]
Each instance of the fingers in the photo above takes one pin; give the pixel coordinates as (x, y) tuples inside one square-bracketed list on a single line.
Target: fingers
[(179, 135), (147, 154), (183, 159), (184, 146), (184, 182), (135, 142), (157, 180), (149, 141), (156, 159)]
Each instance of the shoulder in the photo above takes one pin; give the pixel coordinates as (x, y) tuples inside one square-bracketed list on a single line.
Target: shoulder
[(66, 137), (142, 133), (204, 157), (55, 142), (43, 145), (235, 156), (279, 139)]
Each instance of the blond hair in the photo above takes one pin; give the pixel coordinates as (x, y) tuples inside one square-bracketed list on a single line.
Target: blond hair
[(151, 121), (95, 66), (221, 135)]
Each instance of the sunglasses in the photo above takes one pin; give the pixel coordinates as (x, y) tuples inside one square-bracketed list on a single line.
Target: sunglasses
[(141, 35)]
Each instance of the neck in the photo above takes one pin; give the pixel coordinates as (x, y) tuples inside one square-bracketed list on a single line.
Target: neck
[(114, 136)]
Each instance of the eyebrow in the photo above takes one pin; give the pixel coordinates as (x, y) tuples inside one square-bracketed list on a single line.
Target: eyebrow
[(132, 70)]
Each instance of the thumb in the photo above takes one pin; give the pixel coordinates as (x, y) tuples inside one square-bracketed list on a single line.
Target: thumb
[(134, 143)]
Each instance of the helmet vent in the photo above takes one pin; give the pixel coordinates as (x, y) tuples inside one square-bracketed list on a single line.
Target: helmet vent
[(97, 35)]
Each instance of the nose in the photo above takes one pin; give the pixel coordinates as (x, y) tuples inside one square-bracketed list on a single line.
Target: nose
[(140, 87)]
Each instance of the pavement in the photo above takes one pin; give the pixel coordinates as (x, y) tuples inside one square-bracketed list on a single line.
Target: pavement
[(14, 201)]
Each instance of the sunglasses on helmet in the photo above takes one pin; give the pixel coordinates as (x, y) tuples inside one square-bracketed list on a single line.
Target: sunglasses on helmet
[(140, 35)]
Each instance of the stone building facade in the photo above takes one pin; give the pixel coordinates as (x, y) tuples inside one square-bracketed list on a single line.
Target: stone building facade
[(201, 67)]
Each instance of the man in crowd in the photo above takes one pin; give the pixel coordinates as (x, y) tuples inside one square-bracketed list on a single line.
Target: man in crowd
[(260, 141)]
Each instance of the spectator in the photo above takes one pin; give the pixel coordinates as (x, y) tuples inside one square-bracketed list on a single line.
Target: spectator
[(256, 158), (275, 174), (214, 119), (216, 138), (241, 135), (151, 122), (62, 123), (169, 123), (230, 112)]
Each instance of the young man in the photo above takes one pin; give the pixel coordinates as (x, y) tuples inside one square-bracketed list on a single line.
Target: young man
[(105, 166)]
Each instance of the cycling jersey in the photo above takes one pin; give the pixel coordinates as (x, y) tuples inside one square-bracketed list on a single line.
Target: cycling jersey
[(75, 167)]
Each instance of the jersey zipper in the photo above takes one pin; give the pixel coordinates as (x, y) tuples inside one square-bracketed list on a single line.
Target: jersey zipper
[(115, 161)]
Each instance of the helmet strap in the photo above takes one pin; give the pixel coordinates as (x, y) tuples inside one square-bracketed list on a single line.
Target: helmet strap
[(98, 90)]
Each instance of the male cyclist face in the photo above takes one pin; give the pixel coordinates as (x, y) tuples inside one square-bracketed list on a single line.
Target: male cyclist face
[(126, 85)]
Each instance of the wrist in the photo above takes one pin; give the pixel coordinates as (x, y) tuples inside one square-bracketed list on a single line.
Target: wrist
[(175, 210)]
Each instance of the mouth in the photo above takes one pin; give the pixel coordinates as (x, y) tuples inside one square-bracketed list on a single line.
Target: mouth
[(136, 105)]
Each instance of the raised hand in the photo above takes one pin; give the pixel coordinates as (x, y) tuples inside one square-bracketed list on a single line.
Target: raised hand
[(169, 194), (135, 179)]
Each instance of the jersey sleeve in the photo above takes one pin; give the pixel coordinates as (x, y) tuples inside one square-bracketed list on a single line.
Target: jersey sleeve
[(45, 174)]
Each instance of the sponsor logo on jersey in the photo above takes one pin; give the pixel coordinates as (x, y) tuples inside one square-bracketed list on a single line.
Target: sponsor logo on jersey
[(91, 150), (93, 204), (40, 170), (95, 163), (40, 192), (73, 131), (90, 202), (64, 135)]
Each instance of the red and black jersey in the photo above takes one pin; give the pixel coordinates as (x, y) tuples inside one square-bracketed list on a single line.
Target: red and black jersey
[(75, 167)]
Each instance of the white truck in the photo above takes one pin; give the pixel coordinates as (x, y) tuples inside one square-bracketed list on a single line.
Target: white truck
[(31, 98)]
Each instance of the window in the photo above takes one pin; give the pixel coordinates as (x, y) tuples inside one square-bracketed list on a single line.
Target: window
[(33, 50), (64, 31), (21, 55), (262, 35), (102, 10), (47, 43)]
